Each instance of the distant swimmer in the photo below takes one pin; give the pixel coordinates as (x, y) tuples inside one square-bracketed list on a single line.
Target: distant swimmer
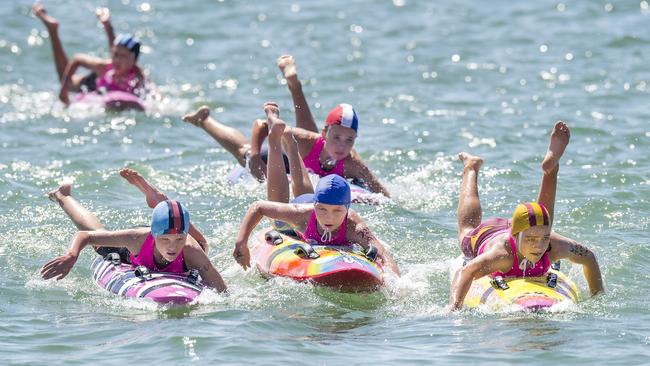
[(171, 244), (322, 217), (324, 152), (119, 74), (524, 246)]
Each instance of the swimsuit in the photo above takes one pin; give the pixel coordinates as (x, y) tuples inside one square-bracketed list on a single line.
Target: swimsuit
[(145, 258), (312, 236), (474, 243), (108, 82), (312, 161)]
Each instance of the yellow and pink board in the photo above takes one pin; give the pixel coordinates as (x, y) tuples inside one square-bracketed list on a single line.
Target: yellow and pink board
[(341, 267), (530, 293)]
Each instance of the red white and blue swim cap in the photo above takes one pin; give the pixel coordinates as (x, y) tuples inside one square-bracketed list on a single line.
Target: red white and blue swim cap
[(169, 217), (344, 115)]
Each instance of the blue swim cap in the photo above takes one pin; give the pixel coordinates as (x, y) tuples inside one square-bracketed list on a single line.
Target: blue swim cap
[(333, 190), (129, 42), (169, 217)]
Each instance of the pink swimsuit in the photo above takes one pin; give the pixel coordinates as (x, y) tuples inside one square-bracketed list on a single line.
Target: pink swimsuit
[(312, 236), (541, 267), (312, 161), (474, 244), (145, 258), (107, 82)]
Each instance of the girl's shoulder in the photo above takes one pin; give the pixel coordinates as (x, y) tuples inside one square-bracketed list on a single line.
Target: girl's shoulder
[(499, 245)]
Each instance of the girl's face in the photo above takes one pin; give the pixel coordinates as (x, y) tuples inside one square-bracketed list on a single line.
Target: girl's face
[(339, 141), (330, 217), (123, 60), (170, 246), (534, 242)]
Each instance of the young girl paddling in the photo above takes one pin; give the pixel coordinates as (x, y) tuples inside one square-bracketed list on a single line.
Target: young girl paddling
[(329, 151), (165, 246), (328, 221), (119, 73), (524, 245)]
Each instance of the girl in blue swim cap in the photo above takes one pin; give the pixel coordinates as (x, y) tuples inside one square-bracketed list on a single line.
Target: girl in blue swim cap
[(119, 73), (168, 245), (325, 219)]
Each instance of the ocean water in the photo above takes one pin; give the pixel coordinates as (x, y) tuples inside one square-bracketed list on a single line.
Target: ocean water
[(428, 80)]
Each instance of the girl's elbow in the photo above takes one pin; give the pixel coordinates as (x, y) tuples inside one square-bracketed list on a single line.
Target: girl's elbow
[(256, 206), (83, 236)]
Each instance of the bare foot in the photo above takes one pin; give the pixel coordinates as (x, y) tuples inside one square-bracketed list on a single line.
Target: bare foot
[(198, 118), (50, 22), (287, 65), (276, 125), (471, 162), (559, 141), (103, 14), (272, 112), (56, 195), (152, 194)]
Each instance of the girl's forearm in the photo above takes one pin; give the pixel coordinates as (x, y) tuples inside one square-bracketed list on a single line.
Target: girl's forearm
[(79, 241), (459, 289), (251, 219), (198, 236), (593, 276)]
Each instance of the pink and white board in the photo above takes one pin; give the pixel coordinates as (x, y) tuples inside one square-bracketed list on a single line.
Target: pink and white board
[(163, 288)]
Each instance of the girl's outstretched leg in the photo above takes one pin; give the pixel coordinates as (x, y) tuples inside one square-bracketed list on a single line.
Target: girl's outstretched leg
[(300, 182), (52, 25), (304, 118), (560, 137), (80, 216), (231, 139), (469, 204), (277, 182), (154, 196)]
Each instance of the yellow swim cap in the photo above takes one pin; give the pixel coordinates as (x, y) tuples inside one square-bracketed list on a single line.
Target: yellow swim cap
[(527, 215)]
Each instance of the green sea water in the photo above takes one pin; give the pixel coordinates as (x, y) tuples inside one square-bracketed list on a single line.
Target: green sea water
[(427, 79)]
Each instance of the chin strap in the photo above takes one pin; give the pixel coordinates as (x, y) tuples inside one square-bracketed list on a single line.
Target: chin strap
[(328, 165), (326, 237), (524, 263)]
